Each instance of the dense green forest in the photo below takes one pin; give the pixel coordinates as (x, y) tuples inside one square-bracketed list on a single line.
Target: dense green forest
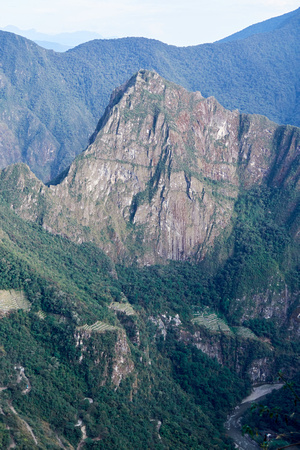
[(173, 395), (75, 284), (262, 27)]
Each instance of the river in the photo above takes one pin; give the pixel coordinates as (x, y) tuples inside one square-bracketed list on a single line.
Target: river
[(233, 423)]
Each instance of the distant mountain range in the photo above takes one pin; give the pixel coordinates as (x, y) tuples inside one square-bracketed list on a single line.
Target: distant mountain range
[(51, 102), (60, 42)]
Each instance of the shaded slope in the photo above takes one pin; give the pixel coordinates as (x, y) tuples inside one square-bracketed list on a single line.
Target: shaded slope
[(78, 335), (39, 112)]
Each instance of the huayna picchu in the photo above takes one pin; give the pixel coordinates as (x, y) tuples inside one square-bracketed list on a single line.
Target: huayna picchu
[(145, 289)]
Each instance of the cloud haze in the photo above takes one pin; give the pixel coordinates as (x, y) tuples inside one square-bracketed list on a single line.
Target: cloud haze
[(172, 21)]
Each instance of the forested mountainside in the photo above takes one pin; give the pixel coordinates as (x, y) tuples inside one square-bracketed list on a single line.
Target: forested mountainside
[(51, 102), (262, 27), (124, 357), (100, 350), (131, 358), (78, 361)]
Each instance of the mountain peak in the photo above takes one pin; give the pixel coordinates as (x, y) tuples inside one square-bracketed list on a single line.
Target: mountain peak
[(52, 103), (142, 77), (123, 96), (163, 171)]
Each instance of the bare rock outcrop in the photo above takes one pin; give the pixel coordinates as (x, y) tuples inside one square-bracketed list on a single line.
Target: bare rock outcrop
[(161, 175)]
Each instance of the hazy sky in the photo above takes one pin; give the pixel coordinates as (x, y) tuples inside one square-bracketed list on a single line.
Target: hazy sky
[(178, 22)]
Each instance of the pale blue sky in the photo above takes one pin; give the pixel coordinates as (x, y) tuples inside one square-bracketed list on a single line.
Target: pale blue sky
[(177, 22)]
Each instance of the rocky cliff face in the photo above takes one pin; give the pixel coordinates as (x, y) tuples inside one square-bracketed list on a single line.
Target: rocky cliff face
[(111, 366), (50, 102), (161, 175)]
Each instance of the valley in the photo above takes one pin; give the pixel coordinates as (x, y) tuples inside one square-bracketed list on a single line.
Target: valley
[(148, 283), (233, 424)]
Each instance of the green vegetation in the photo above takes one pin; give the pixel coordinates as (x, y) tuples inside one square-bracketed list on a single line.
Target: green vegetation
[(211, 321), (125, 308), (54, 100), (10, 300), (245, 332), (259, 255), (116, 348), (278, 416), (263, 253), (98, 327), (190, 369), (171, 395), (72, 288)]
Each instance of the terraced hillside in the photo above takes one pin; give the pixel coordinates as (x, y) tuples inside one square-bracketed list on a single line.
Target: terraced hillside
[(98, 327), (13, 300), (212, 322), (125, 308)]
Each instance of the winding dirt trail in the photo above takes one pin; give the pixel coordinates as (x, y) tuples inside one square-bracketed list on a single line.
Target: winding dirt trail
[(84, 436), (21, 376), (28, 427)]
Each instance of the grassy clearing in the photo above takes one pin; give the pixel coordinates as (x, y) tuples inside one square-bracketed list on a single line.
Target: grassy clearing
[(245, 333), (98, 327), (42, 315), (12, 300), (125, 308), (212, 322)]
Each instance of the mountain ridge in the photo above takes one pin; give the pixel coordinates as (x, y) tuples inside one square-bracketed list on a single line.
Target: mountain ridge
[(173, 162), (58, 42), (261, 27), (52, 107)]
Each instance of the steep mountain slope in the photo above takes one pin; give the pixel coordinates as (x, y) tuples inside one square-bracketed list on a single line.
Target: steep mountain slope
[(127, 357), (132, 356), (162, 174), (39, 110), (79, 360), (51, 102), (262, 27), (170, 175)]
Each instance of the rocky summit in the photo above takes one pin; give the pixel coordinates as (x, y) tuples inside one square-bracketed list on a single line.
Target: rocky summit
[(161, 175)]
